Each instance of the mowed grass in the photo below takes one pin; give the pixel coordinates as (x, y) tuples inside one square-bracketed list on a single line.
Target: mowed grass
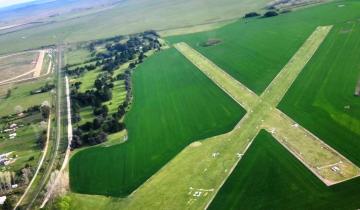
[(20, 96), (172, 107), (322, 98), (254, 51), (269, 177), (87, 80), (77, 56)]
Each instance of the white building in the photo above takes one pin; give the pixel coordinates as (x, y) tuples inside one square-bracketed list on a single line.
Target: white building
[(2, 200), (14, 125), (12, 135)]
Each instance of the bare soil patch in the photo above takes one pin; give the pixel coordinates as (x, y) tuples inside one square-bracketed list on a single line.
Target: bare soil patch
[(211, 42), (357, 88), (14, 65)]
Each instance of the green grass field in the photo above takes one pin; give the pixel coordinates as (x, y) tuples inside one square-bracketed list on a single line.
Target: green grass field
[(172, 107), (269, 177), (322, 98), (254, 51), (25, 144), (20, 96), (88, 79), (76, 56)]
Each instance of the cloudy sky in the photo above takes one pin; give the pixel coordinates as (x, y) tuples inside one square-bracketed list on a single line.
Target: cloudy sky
[(6, 3)]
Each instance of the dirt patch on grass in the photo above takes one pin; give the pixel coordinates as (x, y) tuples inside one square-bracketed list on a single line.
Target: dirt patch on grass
[(196, 144), (345, 31), (211, 42), (357, 88)]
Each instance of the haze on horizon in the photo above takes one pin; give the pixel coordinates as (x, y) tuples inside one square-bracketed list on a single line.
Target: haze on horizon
[(7, 3)]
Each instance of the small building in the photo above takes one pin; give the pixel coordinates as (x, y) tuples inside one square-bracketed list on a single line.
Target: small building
[(12, 135), (14, 186), (335, 168), (2, 200), (14, 125), (9, 130)]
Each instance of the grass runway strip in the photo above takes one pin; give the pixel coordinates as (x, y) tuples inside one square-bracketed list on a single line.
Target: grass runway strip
[(240, 93), (192, 179), (325, 162), (172, 108), (315, 150)]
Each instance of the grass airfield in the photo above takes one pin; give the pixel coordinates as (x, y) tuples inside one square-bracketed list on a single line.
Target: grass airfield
[(156, 193), (166, 104), (269, 177)]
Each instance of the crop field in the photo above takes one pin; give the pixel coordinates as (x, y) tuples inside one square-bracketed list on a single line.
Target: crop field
[(264, 46), (322, 100), (254, 51), (331, 110), (144, 15), (172, 107), (20, 96), (269, 177), (309, 149), (17, 64)]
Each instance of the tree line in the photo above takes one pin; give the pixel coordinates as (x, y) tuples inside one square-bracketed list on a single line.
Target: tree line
[(116, 54)]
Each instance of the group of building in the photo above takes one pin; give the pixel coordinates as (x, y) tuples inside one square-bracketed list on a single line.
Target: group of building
[(11, 131), (5, 159)]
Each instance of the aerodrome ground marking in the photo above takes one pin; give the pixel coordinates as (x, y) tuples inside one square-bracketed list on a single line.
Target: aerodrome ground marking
[(262, 112), (39, 64), (195, 167)]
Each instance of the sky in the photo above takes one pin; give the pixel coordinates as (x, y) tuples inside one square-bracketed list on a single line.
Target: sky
[(6, 3)]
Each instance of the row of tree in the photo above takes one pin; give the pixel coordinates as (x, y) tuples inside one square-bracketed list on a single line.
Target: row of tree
[(116, 54), (265, 15), (46, 88)]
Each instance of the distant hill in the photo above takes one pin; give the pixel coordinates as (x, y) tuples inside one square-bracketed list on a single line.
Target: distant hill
[(41, 9)]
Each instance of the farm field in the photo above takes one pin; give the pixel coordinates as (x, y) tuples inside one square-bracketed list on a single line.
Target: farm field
[(254, 51), (331, 111), (17, 64), (322, 100), (144, 15), (269, 177), (345, 19), (172, 107), (20, 96)]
